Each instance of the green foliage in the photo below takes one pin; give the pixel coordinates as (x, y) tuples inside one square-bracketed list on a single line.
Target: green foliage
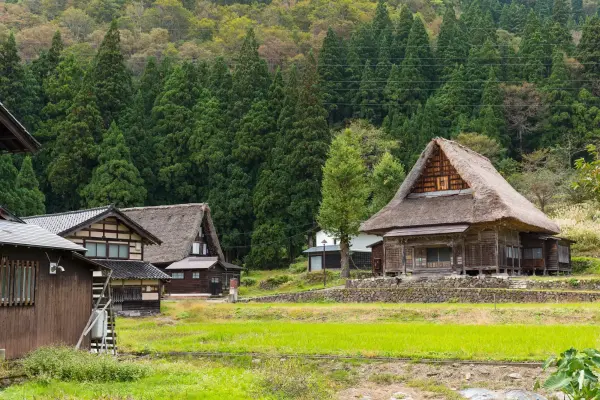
[(115, 180), (588, 177), (575, 374), (67, 364), (292, 379), (29, 190), (385, 180), (585, 265)]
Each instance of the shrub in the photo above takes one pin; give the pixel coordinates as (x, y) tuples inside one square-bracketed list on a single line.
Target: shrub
[(248, 281), (575, 374), (299, 266), (274, 282), (317, 276), (68, 364), (585, 265), (361, 274), (291, 379)]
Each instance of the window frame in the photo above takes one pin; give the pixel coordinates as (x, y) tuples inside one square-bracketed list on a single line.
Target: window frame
[(106, 250), (18, 282), (195, 275), (178, 275)]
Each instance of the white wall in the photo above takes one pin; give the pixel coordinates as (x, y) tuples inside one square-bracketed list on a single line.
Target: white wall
[(357, 243)]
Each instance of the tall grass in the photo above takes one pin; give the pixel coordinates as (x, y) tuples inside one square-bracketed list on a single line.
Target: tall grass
[(67, 364)]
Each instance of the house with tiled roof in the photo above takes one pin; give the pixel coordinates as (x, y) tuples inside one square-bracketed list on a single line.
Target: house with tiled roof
[(117, 242)]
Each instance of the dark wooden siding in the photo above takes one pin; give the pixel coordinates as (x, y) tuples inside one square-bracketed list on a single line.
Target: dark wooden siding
[(377, 258), (63, 303), (439, 175), (190, 285)]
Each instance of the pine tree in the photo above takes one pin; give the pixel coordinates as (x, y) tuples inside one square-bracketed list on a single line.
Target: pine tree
[(588, 52), (453, 99), (331, 76), (400, 36), (362, 42), (481, 61), (48, 61), (559, 100), (560, 37), (220, 81), (345, 192), (31, 196), (561, 12), (112, 79), (74, 153), (115, 180), (10, 196), (382, 24), (388, 174), (353, 73), (366, 97), (533, 58), (490, 119), (450, 44)]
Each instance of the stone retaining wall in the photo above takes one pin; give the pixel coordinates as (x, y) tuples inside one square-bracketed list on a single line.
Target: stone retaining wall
[(474, 282), (432, 295)]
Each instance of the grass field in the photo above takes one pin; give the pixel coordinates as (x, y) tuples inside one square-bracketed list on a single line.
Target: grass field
[(479, 332)]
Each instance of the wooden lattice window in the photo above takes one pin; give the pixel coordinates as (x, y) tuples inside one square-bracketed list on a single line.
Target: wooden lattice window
[(17, 282), (393, 259), (439, 175)]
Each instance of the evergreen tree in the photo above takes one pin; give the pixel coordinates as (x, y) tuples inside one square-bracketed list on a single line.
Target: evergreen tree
[(331, 76), (345, 192), (481, 61), (559, 100), (544, 8), (31, 196), (588, 52), (388, 174), (453, 98), (450, 44), (561, 12), (220, 81), (382, 24), (490, 120), (74, 153), (586, 124), (560, 37), (362, 42), (115, 180), (112, 79), (577, 10), (400, 36), (366, 97), (381, 76), (513, 17), (48, 61), (10, 196), (354, 72)]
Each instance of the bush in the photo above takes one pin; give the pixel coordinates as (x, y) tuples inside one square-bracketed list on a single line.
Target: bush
[(274, 282), (292, 379), (575, 374), (317, 276), (68, 364), (299, 266), (586, 265), (248, 281)]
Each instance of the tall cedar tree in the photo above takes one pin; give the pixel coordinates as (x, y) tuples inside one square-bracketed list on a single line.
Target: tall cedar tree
[(112, 79), (47, 62), (10, 196), (559, 100), (115, 180), (366, 97), (453, 98), (490, 119), (172, 118), (388, 174), (451, 49), (586, 123), (382, 24), (400, 36), (306, 145), (19, 91), (332, 61), (577, 10), (588, 51), (561, 12), (481, 60), (28, 187), (345, 192), (75, 151), (382, 74)]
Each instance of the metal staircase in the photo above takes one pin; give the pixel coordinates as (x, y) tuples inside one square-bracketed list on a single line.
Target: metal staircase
[(103, 338)]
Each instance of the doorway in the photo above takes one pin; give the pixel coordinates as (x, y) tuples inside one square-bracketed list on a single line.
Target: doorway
[(215, 286)]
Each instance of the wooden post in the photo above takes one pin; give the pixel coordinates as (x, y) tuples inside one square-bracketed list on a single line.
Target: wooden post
[(404, 258), (464, 258), (497, 249)]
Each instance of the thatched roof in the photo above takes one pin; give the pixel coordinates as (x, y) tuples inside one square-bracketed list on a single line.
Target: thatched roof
[(177, 226), (490, 198), (15, 138)]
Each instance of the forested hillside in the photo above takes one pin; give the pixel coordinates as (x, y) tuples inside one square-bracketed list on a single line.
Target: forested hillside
[(236, 104)]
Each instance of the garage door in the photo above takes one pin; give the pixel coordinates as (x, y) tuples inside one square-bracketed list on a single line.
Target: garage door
[(316, 263)]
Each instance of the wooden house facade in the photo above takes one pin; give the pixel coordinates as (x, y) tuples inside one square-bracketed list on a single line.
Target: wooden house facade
[(116, 242), (455, 214), (190, 253)]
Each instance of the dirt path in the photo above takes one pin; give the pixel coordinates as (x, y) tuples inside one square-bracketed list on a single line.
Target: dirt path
[(401, 380)]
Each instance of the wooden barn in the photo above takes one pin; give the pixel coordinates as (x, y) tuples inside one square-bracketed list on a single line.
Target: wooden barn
[(190, 252), (115, 241), (455, 213)]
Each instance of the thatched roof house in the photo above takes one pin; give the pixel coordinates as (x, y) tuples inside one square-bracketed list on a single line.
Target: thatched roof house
[(455, 195), (190, 250)]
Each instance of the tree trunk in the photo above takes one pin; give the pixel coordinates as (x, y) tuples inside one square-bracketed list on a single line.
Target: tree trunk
[(345, 256)]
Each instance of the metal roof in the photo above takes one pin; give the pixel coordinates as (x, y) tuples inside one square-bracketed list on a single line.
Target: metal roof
[(71, 221), (15, 233), (132, 269), (331, 247), (427, 230), (194, 263)]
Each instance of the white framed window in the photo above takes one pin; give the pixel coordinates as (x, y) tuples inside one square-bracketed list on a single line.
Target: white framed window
[(196, 275), (196, 248), (99, 250), (177, 275)]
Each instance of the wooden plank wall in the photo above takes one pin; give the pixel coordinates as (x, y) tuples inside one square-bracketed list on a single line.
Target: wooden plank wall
[(63, 303), (439, 175), (190, 285)]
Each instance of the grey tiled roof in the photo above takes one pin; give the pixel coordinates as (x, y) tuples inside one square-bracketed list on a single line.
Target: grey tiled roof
[(62, 222), (131, 269), (19, 234)]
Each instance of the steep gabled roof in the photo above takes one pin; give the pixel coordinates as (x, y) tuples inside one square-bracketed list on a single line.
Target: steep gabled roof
[(132, 269), (177, 225), (19, 234), (69, 222), (14, 138), (490, 198)]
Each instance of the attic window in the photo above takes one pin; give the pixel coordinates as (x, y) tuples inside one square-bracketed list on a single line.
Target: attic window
[(199, 249)]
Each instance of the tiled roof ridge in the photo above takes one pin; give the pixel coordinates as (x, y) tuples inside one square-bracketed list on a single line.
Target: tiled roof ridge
[(68, 212)]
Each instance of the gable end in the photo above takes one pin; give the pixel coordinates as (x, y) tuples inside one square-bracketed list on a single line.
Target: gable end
[(438, 175)]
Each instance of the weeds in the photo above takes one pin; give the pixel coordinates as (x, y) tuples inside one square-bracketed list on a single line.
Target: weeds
[(434, 387), (67, 364), (385, 378), (292, 379)]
